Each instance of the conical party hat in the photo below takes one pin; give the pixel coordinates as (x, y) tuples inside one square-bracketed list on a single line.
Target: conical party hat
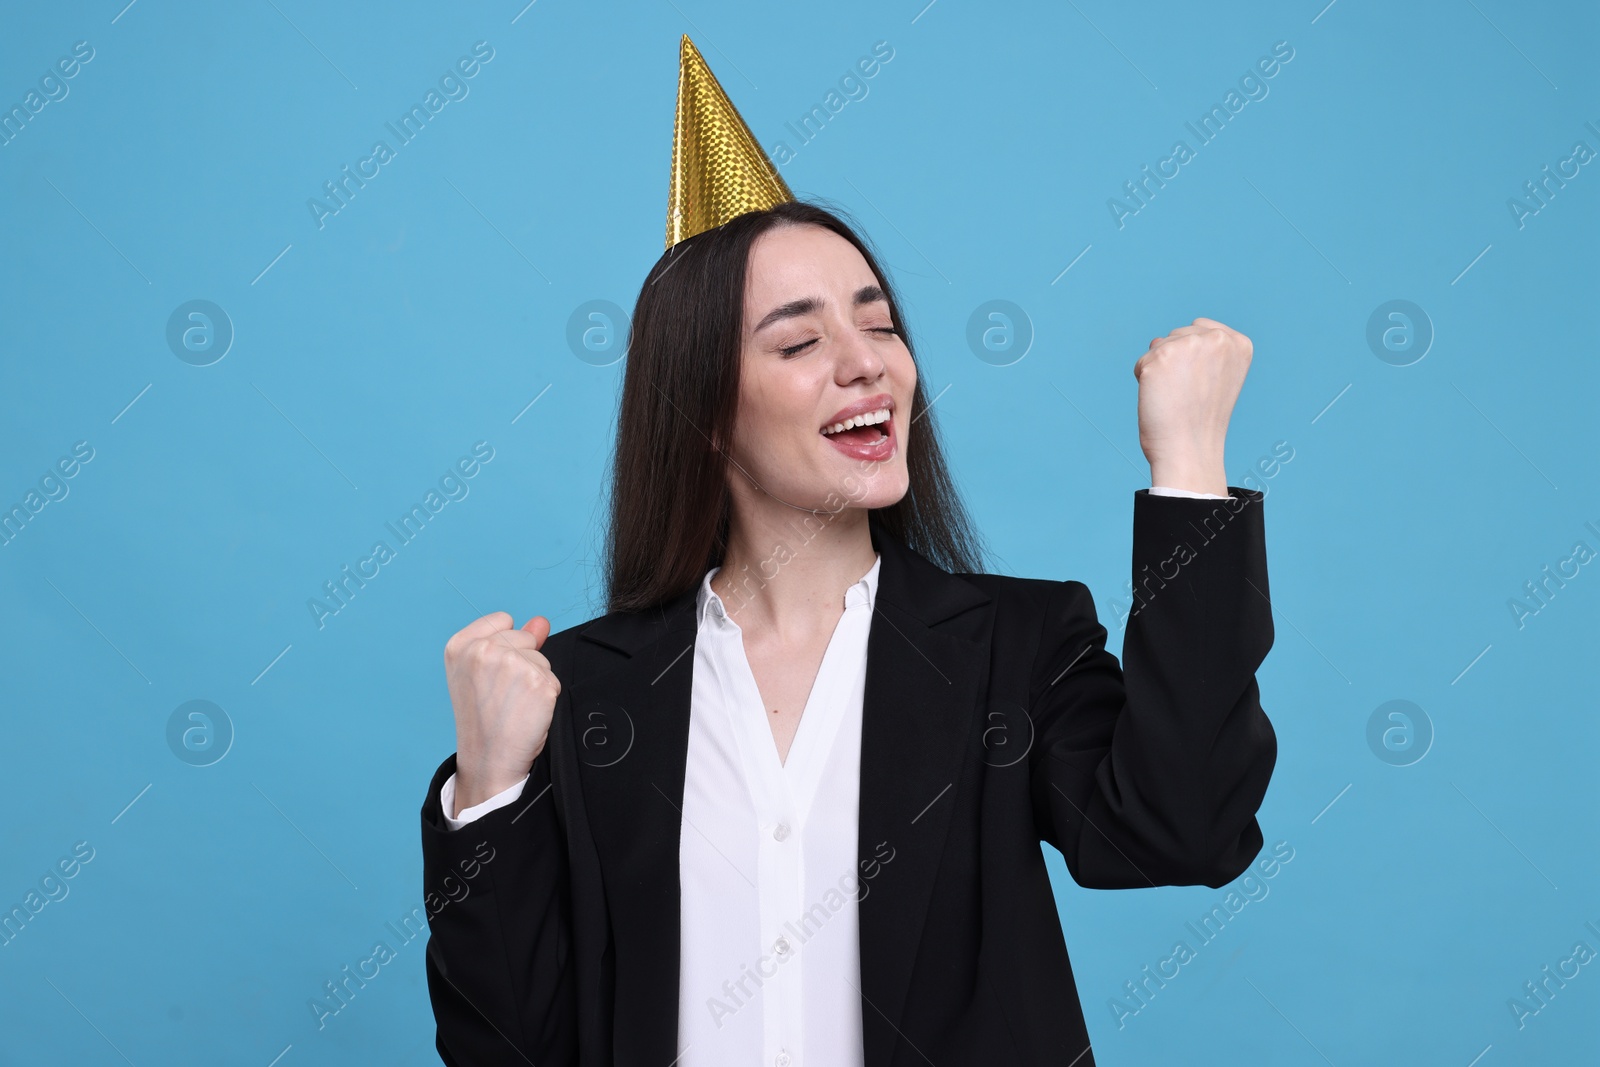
[(718, 170)]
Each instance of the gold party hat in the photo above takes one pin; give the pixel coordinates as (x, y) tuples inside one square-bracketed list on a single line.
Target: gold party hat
[(718, 170)]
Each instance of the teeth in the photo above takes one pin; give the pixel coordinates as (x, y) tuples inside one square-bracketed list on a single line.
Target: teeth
[(871, 418)]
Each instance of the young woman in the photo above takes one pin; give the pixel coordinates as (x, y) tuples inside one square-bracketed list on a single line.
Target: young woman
[(782, 804)]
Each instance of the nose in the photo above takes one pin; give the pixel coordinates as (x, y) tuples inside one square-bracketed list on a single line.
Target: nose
[(859, 361)]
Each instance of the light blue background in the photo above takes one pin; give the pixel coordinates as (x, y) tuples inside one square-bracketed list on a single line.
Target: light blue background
[(429, 312)]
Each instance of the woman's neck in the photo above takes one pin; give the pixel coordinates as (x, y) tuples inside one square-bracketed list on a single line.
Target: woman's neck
[(788, 573)]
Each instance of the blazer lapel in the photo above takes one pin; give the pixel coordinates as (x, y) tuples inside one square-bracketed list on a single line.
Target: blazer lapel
[(927, 670), (630, 716), (927, 667)]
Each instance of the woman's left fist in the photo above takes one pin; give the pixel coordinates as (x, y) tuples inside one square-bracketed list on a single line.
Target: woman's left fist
[(1188, 383)]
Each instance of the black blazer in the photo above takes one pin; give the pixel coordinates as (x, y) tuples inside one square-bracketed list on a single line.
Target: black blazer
[(994, 719)]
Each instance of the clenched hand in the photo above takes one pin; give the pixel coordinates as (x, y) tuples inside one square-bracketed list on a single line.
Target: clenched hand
[(504, 694), (1188, 383)]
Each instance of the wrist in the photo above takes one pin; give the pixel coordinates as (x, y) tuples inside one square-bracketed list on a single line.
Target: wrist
[(470, 794), (1196, 477), (476, 784)]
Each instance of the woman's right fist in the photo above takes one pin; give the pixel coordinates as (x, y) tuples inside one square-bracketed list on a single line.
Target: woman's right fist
[(504, 695)]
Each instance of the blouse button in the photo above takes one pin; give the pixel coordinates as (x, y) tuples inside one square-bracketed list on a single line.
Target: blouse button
[(781, 831)]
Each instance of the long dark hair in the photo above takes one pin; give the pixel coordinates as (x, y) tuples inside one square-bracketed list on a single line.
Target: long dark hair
[(670, 500)]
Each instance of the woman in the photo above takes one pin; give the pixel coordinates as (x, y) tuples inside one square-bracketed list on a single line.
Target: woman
[(782, 803)]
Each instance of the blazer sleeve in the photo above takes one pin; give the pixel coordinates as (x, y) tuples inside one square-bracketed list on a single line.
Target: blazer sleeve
[(499, 956), (1151, 773)]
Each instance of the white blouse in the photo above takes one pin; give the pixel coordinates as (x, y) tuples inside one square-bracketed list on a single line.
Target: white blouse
[(769, 970)]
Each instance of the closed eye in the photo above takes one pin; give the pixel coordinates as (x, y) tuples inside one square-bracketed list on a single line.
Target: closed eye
[(803, 345)]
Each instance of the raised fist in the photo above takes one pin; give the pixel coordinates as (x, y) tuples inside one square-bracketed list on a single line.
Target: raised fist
[(504, 694), (1188, 383)]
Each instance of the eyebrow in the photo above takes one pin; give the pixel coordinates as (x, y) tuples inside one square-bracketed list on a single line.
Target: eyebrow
[(867, 294)]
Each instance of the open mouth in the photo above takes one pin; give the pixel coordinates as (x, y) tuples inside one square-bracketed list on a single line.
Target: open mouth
[(865, 429)]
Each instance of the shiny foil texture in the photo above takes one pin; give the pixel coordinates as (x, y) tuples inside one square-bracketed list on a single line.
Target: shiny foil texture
[(718, 170)]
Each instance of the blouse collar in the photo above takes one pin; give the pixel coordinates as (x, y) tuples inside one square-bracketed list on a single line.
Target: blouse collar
[(710, 605)]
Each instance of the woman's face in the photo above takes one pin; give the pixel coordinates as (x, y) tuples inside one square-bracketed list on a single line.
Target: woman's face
[(819, 350)]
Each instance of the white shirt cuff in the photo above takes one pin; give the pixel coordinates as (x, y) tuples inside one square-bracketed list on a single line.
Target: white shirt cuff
[(447, 802), (1161, 490)]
